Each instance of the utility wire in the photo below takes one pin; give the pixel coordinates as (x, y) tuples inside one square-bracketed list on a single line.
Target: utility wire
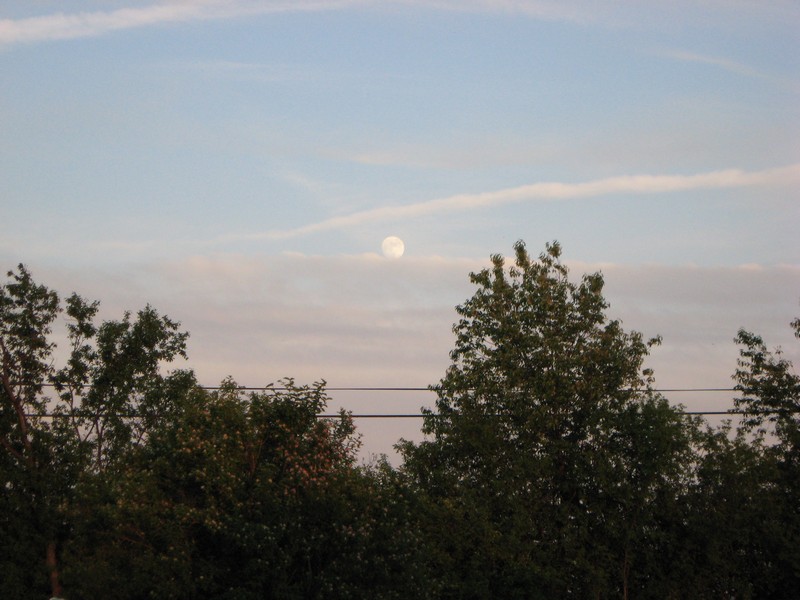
[(682, 412), (428, 389), (421, 415), (265, 388)]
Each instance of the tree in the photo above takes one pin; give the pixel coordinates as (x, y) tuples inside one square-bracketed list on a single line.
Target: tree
[(549, 455), (770, 388), (120, 476), (770, 403), (106, 397), (732, 523), (249, 496)]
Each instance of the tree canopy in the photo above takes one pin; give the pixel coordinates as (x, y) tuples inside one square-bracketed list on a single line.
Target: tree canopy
[(548, 445), (107, 396), (551, 466)]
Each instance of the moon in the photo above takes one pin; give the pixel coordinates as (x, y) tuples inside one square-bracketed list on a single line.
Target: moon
[(393, 247)]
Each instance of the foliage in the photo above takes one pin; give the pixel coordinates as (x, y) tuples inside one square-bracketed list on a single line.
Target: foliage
[(551, 466), (250, 497), (730, 525), (770, 402), (107, 396), (549, 453), (770, 388)]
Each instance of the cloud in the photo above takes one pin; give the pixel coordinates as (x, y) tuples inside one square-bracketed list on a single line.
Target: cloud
[(645, 13), (724, 63), (60, 26), (368, 322), (363, 320), (63, 26), (728, 65), (629, 184), (537, 9)]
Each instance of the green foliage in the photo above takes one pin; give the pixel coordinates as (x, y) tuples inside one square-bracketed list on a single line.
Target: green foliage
[(770, 402), (549, 453), (730, 524), (551, 467), (770, 388), (250, 497), (107, 396)]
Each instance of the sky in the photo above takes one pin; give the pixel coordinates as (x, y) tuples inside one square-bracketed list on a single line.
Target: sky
[(237, 164)]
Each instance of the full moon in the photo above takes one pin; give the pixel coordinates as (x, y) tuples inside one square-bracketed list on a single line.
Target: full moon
[(393, 247)]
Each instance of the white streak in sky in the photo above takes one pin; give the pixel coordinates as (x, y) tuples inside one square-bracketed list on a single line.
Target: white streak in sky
[(60, 26), (547, 10), (728, 65), (633, 184), (63, 26), (724, 63)]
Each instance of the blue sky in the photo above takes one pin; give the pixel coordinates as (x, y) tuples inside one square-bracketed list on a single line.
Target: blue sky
[(237, 164)]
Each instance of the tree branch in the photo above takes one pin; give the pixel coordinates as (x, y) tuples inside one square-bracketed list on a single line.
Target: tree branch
[(18, 408), (13, 451)]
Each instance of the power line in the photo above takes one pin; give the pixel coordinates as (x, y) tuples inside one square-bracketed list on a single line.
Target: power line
[(682, 412), (265, 388), (429, 389), (434, 415)]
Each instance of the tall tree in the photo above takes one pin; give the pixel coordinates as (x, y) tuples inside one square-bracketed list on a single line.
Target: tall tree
[(770, 401), (59, 424), (549, 453), (770, 390)]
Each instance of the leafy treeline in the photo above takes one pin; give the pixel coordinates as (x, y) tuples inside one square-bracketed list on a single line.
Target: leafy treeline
[(551, 467)]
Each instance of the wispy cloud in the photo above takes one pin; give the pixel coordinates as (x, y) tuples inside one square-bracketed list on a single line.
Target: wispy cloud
[(360, 320), (547, 10), (61, 26), (726, 64), (633, 184), (64, 26)]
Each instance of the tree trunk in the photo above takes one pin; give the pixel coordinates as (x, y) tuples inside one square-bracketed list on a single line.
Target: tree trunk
[(626, 569), (52, 567)]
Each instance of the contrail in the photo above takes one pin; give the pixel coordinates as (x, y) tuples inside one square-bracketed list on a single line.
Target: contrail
[(549, 191)]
